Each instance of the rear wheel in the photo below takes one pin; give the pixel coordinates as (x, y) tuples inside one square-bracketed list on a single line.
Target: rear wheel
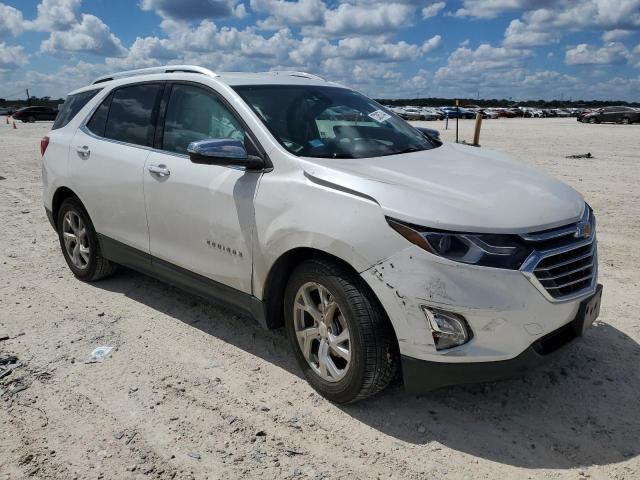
[(341, 337), (79, 243), (32, 119)]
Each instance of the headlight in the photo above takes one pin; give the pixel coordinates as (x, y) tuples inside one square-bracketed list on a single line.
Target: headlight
[(498, 251)]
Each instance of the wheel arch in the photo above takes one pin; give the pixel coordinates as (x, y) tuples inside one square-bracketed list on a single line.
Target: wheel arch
[(61, 194), (278, 276)]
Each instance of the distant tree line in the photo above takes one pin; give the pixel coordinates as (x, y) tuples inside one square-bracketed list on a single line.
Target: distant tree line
[(42, 101), (495, 102)]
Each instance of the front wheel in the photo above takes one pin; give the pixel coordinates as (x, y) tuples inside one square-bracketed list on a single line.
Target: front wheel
[(625, 121), (79, 243), (592, 120), (341, 337)]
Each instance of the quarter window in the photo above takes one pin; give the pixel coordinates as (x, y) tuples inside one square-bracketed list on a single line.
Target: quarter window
[(194, 114), (131, 114), (71, 107)]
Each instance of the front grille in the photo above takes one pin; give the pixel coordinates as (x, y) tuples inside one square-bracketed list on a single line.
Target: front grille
[(568, 272), (563, 265)]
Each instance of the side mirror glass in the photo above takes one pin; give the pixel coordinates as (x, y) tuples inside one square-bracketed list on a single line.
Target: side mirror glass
[(223, 151)]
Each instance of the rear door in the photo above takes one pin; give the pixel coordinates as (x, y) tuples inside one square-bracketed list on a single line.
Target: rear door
[(107, 160), (201, 217)]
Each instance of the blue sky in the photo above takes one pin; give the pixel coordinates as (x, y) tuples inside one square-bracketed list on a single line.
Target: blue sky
[(520, 49)]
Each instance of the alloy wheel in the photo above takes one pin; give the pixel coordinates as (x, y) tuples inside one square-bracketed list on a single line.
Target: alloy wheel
[(322, 331), (76, 241)]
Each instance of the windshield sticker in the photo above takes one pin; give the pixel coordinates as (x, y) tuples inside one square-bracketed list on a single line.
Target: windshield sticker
[(379, 116), (316, 143)]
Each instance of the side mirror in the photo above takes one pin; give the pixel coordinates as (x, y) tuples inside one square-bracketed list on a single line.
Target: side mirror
[(224, 152), (430, 133)]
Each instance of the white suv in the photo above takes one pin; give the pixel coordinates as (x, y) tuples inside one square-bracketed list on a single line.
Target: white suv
[(309, 206)]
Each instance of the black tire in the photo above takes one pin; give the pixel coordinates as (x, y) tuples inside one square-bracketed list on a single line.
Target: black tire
[(97, 267), (593, 120), (374, 348), (625, 121), (32, 119)]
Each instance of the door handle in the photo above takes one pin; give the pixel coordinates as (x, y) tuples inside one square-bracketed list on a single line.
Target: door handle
[(83, 151), (160, 170)]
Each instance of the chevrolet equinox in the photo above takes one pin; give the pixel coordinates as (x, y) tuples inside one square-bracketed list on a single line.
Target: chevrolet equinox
[(379, 248)]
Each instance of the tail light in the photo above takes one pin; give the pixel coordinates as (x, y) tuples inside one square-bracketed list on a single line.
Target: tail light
[(44, 143)]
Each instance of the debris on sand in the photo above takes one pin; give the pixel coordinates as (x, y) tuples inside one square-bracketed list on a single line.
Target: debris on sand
[(7, 364), (582, 155), (99, 354)]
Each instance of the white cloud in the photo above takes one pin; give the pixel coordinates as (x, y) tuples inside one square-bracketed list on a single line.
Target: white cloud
[(55, 15), (493, 8), (467, 63), (11, 21), (586, 14), (90, 35), (617, 34), (12, 57), (547, 21), (585, 54), (433, 9), (285, 12), (518, 35)]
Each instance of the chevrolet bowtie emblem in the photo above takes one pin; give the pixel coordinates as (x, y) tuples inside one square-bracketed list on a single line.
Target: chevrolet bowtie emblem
[(583, 230)]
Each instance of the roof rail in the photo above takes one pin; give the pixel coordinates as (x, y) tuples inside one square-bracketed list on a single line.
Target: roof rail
[(151, 70), (293, 73)]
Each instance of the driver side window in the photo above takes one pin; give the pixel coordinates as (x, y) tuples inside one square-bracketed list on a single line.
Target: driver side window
[(193, 114)]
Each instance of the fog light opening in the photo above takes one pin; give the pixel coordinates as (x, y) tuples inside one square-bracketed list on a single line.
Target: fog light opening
[(447, 328)]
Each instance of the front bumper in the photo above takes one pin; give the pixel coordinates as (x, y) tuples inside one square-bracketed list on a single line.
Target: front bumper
[(421, 376)]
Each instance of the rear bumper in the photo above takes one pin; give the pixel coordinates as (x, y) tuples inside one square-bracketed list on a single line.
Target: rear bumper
[(421, 376)]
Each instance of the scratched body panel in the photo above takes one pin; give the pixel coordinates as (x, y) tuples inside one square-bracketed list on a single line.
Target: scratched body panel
[(505, 313)]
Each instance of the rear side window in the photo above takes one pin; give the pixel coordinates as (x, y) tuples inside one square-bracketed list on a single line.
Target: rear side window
[(131, 113), (71, 107)]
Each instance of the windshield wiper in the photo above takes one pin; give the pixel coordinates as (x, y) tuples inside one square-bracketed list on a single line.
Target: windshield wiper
[(406, 150)]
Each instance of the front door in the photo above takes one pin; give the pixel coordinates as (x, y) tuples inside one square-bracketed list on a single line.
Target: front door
[(201, 217)]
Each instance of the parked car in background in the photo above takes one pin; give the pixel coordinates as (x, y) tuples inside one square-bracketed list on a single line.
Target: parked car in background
[(458, 112), (489, 113), (430, 114), (621, 114), (561, 112), (35, 114), (530, 112), (505, 112), (412, 113)]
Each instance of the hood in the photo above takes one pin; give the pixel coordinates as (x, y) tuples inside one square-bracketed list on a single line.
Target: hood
[(455, 187)]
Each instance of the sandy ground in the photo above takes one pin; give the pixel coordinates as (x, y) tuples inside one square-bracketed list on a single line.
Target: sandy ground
[(193, 391)]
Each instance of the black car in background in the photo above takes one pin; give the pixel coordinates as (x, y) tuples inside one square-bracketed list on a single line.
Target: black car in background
[(34, 114), (621, 114)]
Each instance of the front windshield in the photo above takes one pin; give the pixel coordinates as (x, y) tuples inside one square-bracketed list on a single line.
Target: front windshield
[(331, 122)]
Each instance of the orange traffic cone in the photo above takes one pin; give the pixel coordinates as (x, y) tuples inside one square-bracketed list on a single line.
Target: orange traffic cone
[(14, 126)]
